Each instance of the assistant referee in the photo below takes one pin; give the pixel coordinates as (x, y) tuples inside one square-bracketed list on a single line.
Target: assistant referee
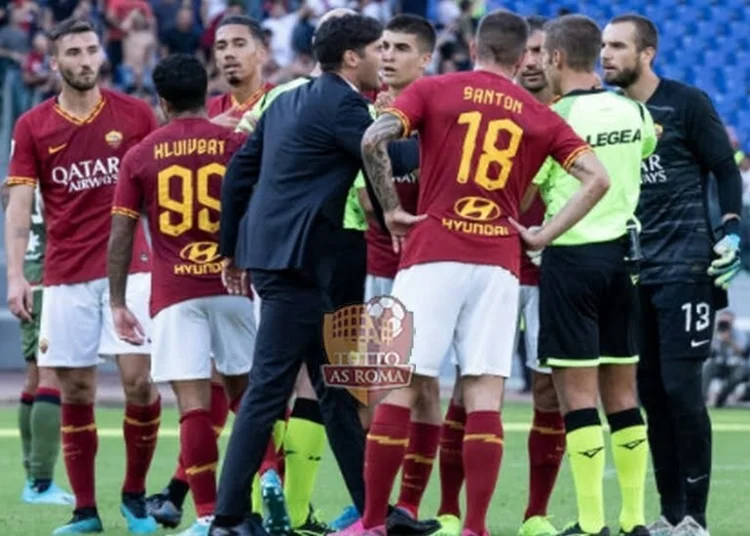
[(588, 301)]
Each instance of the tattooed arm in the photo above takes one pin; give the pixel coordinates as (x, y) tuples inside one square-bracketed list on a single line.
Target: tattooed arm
[(376, 160), (4, 195), (119, 255)]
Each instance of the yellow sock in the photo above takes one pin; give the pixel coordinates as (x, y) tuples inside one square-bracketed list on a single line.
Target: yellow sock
[(630, 452), (585, 448), (304, 443)]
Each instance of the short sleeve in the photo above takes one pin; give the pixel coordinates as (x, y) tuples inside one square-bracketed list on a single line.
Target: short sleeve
[(649, 132), (564, 144), (359, 182), (410, 106), (128, 192), (23, 167)]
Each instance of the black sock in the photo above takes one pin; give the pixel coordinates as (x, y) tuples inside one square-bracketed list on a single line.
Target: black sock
[(42, 484), (662, 442), (177, 490), (692, 426)]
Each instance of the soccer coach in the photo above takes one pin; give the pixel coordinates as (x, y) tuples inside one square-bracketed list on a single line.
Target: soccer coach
[(301, 161)]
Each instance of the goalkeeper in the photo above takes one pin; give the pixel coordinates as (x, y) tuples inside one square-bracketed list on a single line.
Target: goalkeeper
[(685, 269)]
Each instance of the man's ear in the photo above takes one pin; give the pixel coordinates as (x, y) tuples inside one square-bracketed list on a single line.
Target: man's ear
[(351, 59)]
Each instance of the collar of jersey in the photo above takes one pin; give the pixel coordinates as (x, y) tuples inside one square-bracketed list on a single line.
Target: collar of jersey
[(578, 92)]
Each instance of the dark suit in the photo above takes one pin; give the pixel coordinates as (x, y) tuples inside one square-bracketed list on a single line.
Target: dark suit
[(308, 142)]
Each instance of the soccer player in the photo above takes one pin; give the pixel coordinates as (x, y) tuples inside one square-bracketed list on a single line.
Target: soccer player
[(546, 444), (684, 271), (71, 146), (240, 54), (465, 245), (192, 314), (39, 411), (588, 301), (408, 45)]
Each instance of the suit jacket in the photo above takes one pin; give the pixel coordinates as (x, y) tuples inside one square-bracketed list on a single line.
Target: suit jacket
[(301, 161)]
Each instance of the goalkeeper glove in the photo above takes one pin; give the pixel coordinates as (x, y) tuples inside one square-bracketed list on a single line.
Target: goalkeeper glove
[(728, 265)]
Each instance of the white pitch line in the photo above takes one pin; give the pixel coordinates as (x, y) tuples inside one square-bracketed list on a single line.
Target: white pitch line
[(12, 433)]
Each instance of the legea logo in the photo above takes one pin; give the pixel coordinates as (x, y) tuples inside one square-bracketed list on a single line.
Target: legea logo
[(368, 348)]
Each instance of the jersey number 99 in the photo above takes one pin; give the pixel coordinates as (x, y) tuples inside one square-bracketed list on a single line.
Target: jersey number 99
[(491, 154), (182, 215)]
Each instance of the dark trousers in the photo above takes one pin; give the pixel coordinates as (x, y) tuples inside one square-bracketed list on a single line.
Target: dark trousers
[(350, 270), (289, 335)]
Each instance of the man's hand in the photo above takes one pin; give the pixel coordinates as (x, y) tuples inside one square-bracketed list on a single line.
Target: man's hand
[(534, 255), (399, 222), (234, 278), (383, 101), (20, 298), (728, 265), (533, 237), (226, 119), (127, 326)]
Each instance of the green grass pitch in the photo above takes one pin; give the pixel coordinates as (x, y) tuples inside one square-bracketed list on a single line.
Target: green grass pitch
[(728, 510)]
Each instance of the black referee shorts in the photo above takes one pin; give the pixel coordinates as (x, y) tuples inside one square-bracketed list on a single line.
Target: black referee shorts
[(588, 306), (678, 320), (348, 285)]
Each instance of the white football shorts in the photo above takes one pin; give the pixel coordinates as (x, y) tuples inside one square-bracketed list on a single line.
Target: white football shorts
[(528, 309), (189, 333), (472, 307), (376, 285), (77, 327)]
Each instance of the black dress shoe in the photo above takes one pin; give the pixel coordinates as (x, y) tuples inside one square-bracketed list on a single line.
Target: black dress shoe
[(246, 528), (400, 523)]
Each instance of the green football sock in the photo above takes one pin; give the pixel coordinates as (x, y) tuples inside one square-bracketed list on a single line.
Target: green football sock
[(304, 443), (24, 428), (45, 434), (630, 452), (585, 446)]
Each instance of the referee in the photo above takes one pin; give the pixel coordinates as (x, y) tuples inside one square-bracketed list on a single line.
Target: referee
[(588, 299), (684, 272)]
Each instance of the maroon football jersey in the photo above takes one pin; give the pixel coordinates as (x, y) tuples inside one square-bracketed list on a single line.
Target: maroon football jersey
[(221, 103), (382, 261), (481, 143), (76, 162), (534, 216), (176, 174)]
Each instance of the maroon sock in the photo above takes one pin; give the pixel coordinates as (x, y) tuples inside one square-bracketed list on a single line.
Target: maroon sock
[(451, 460), (386, 444), (269, 458), (140, 429), (424, 440), (79, 444), (546, 449), (199, 453), (219, 408), (483, 452)]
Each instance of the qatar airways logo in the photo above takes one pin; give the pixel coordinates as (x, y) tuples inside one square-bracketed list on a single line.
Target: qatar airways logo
[(87, 174)]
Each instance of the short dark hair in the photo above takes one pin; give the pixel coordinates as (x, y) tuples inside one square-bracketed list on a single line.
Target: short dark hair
[(536, 23), (501, 37), (339, 34), (646, 34), (578, 37), (243, 20), (417, 26), (70, 26), (181, 80)]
